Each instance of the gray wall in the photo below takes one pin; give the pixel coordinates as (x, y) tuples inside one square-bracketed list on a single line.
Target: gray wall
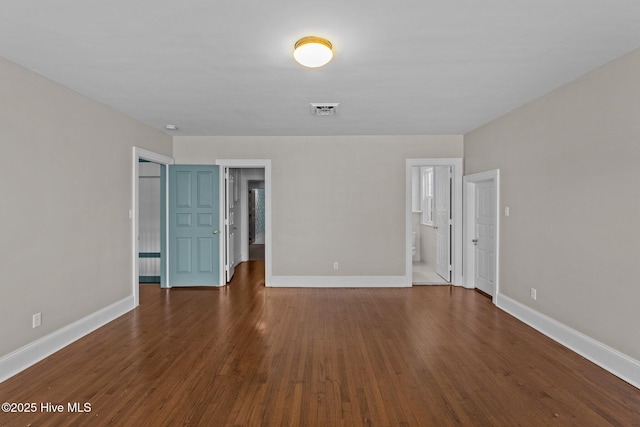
[(570, 172), (337, 198), (66, 184)]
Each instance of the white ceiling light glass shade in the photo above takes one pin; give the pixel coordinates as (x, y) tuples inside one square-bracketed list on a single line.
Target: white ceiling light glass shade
[(313, 51)]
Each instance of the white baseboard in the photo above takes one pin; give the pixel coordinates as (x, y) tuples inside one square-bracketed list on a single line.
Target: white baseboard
[(338, 282), (619, 364), (25, 356)]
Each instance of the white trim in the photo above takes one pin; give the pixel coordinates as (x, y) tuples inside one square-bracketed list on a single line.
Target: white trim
[(619, 364), (32, 353), (152, 157), (469, 182), (258, 164), (140, 153), (339, 282), (456, 206)]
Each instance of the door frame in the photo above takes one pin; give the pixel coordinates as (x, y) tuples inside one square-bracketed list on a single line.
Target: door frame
[(258, 164), (140, 153), (470, 182), (456, 211)]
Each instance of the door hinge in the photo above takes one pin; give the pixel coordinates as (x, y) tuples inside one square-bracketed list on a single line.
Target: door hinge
[(450, 267)]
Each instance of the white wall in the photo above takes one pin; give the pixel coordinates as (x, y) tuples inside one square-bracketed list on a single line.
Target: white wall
[(335, 198), (570, 171), (66, 185)]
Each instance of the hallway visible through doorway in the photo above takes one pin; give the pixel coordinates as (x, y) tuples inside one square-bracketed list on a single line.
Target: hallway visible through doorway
[(256, 252), (245, 216)]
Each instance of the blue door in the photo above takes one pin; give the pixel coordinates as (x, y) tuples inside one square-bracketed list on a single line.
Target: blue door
[(194, 224)]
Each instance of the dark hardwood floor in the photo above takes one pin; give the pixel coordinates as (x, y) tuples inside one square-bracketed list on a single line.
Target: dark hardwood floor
[(246, 355)]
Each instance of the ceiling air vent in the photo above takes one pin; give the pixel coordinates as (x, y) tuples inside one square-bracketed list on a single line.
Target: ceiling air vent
[(324, 108)]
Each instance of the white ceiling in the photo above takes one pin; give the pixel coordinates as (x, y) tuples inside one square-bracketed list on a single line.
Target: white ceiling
[(225, 67)]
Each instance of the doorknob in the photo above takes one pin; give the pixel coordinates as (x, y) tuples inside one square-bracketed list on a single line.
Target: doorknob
[(475, 241), (215, 231)]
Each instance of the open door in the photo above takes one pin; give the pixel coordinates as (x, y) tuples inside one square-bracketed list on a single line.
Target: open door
[(443, 221), (231, 215), (194, 225)]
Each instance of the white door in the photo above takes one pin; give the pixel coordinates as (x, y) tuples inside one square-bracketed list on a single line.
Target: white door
[(231, 212), (443, 221), (484, 240)]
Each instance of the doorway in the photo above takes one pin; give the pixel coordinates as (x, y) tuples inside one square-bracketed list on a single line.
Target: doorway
[(431, 225), (150, 220), (247, 189), (256, 223), (482, 228), (142, 156), (434, 221), (244, 217)]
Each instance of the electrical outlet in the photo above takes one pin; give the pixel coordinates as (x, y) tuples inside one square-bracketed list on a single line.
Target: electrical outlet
[(534, 293), (335, 265), (37, 320)]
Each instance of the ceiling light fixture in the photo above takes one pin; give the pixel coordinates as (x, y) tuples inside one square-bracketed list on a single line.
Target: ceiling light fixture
[(313, 51), (171, 127)]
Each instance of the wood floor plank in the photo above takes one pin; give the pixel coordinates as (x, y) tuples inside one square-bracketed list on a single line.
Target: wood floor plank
[(246, 355)]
